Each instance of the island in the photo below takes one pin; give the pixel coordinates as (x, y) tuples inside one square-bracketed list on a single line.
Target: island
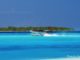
[(28, 29)]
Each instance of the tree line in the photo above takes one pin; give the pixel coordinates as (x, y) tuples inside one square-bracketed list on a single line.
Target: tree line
[(24, 29)]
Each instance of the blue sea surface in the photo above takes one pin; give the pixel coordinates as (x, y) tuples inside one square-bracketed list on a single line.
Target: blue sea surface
[(24, 46)]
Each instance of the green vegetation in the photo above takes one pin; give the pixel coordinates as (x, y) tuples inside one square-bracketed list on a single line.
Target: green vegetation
[(25, 29)]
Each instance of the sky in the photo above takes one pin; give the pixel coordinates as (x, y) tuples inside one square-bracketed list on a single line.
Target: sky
[(59, 13)]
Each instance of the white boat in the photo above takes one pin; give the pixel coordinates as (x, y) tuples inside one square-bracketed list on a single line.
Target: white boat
[(35, 33)]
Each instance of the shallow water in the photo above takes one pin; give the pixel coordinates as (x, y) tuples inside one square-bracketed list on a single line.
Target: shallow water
[(24, 46)]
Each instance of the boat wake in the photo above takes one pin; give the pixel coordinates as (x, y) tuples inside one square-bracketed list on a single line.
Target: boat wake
[(70, 58), (48, 35)]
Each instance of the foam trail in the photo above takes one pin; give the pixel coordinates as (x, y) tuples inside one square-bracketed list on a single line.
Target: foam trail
[(48, 35), (62, 35), (70, 58)]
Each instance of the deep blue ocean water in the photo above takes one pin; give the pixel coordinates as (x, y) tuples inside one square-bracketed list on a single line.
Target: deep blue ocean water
[(24, 46)]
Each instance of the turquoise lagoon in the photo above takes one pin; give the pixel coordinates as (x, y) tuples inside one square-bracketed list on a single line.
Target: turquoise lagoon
[(24, 46)]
